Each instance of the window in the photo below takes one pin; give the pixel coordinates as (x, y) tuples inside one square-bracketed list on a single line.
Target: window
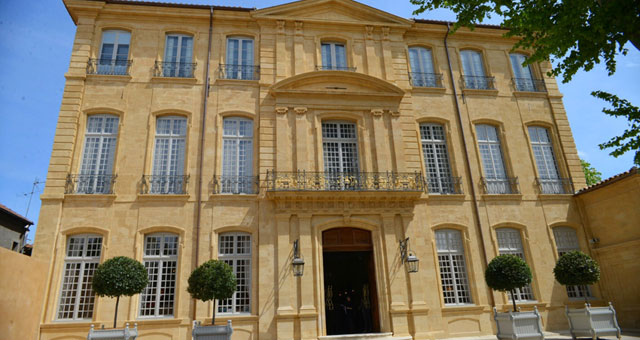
[(550, 182), (422, 74), (523, 75), (240, 59), (334, 56), (509, 242), (177, 56), (566, 241), (453, 269), (114, 53), (99, 152), (237, 156), (473, 69), (340, 148), (82, 258), (235, 250), (161, 260), (496, 181), (436, 159), (168, 159)]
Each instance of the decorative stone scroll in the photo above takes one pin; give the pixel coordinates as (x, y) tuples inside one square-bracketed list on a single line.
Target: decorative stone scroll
[(394, 113), (385, 33), (280, 24), (300, 110), (377, 112), (282, 110), (298, 27), (369, 32)]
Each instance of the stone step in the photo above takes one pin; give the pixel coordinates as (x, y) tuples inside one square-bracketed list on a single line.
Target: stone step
[(364, 336)]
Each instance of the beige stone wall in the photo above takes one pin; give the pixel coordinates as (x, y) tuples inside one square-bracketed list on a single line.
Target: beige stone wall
[(288, 105)]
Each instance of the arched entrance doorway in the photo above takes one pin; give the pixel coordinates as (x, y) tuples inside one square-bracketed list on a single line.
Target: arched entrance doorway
[(351, 303)]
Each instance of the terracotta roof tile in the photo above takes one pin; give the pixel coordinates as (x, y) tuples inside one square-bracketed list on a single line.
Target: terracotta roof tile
[(609, 180), (15, 214)]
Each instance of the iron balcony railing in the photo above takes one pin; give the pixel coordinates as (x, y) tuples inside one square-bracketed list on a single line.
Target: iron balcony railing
[(500, 186), (89, 184), (554, 186), (344, 181), (529, 85), (241, 72), (478, 82), (446, 185), (164, 184), (174, 69), (112, 67), (236, 184), (334, 68), (419, 79)]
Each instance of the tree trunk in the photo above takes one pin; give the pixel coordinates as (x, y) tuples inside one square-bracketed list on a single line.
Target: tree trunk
[(513, 299), (586, 301), (115, 317), (213, 317)]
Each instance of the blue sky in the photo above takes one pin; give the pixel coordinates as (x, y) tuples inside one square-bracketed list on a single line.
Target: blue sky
[(36, 37)]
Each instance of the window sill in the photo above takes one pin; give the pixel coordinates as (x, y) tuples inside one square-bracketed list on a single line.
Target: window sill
[(174, 80), (163, 197), (446, 197), (221, 318), (66, 324), (530, 94), (89, 197), (502, 197), (481, 92), (123, 78), (555, 197), (463, 308), (524, 306), (234, 197), (420, 89), (243, 82), (156, 320)]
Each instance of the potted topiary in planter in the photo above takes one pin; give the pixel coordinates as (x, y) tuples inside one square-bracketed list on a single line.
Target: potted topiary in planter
[(576, 268), (505, 273), (212, 280), (113, 278)]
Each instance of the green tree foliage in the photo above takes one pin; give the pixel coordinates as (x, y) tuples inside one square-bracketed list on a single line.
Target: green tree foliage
[(117, 277), (576, 268), (592, 175), (212, 280), (505, 273), (630, 139)]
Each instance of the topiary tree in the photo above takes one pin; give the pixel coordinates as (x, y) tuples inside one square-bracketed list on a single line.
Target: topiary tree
[(505, 273), (212, 280), (576, 268), (119, 276)]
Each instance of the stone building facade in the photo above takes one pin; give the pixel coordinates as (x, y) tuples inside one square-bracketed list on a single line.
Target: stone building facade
[(359, 138)]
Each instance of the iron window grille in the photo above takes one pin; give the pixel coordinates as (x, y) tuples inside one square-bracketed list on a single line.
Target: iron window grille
[(174, 69), (231, 184), (164, 184), (529, 85), (420, 79), (344, 181), (241, 72)]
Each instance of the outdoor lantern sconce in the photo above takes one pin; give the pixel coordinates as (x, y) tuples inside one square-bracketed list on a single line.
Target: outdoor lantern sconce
[(298, 262), (408, 257)]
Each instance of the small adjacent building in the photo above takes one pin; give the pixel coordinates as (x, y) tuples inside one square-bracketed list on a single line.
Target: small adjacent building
[(13, 229)]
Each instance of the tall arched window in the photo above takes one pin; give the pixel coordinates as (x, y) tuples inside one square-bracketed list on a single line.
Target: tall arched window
[(422, 72), (235, 250), (178, 54), (240, 59), (510, 242), (168, 158), (550, 181), (453, 268), (161, 260), (334, 56), (340, 149), (566, 241), (473, 68), (436, 159), (495, 173), (96, 170), (237, 156), (114, 53)]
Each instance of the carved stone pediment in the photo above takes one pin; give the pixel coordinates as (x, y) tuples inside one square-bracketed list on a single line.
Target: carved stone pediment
[(336, 83)]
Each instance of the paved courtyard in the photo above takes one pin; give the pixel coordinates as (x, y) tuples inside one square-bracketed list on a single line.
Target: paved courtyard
[(559, 336)]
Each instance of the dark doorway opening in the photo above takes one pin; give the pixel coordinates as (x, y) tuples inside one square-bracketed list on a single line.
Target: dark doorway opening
[(349, 282)]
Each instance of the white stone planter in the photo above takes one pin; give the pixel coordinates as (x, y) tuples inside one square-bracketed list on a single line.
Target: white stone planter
[(519, 325), (114, 334), (211, 332), (593, 322)]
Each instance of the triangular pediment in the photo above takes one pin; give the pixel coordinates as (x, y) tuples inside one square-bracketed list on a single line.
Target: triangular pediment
[(328, 11)]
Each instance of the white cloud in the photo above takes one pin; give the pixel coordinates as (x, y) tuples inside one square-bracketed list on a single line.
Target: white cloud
[(583, 155)]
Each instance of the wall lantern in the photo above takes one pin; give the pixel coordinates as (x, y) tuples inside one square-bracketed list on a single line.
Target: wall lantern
[(298, 262), (408, 257)]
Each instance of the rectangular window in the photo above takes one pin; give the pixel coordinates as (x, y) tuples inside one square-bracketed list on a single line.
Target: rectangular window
[(114, 53), (422, 73), (76, 295), (240, 59), (161, 260), (168, 158), (436, 159), (177, 56), (495, 174), (453, 269), (98, 156), (566, 241), (235, 250), (237, 156), (334, 56), (340, 149), (550, 182), (523, 77), (509, 242), (473, 69)]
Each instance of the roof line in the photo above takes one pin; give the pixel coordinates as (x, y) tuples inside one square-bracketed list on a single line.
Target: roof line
[(608, 181), (15, 214), (175, 5), (443, 22)]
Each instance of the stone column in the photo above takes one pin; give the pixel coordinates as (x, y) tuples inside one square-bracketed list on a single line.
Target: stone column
[(298, 49), (283, 140), (302, 144), (416, 282), (381, 140), (387, 57), (281, 51), (397, 277), (373, 68), (285, 313), (308, 311)]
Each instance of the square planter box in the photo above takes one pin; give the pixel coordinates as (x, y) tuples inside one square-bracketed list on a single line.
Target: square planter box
[(211, 332), (519, 325), (593, 322), (114, 334)]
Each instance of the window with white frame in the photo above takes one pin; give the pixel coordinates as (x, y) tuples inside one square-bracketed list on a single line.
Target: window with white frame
[(523, 75), (334, 56), (77, 298), (168, 157), (495, 174), (421, 62), (234, 249), (453, 268), (510, 242), (178, 53), (240, 59), (114, 52), (160, 257), (340, 150), (473, 69), (550, 182), (99, 152), (237, 156), (436, 159), (567, 241)]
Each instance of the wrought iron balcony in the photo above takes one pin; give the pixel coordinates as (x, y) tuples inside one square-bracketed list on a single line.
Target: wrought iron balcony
[(164, 184), (344, 181), (500, 186), (554, 186), (241, 72), (529, 85), (236, 184), (334, 68), (174, 69), (444, 185), (478, 82), (89, 184), (420, 79), (112, 67)]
